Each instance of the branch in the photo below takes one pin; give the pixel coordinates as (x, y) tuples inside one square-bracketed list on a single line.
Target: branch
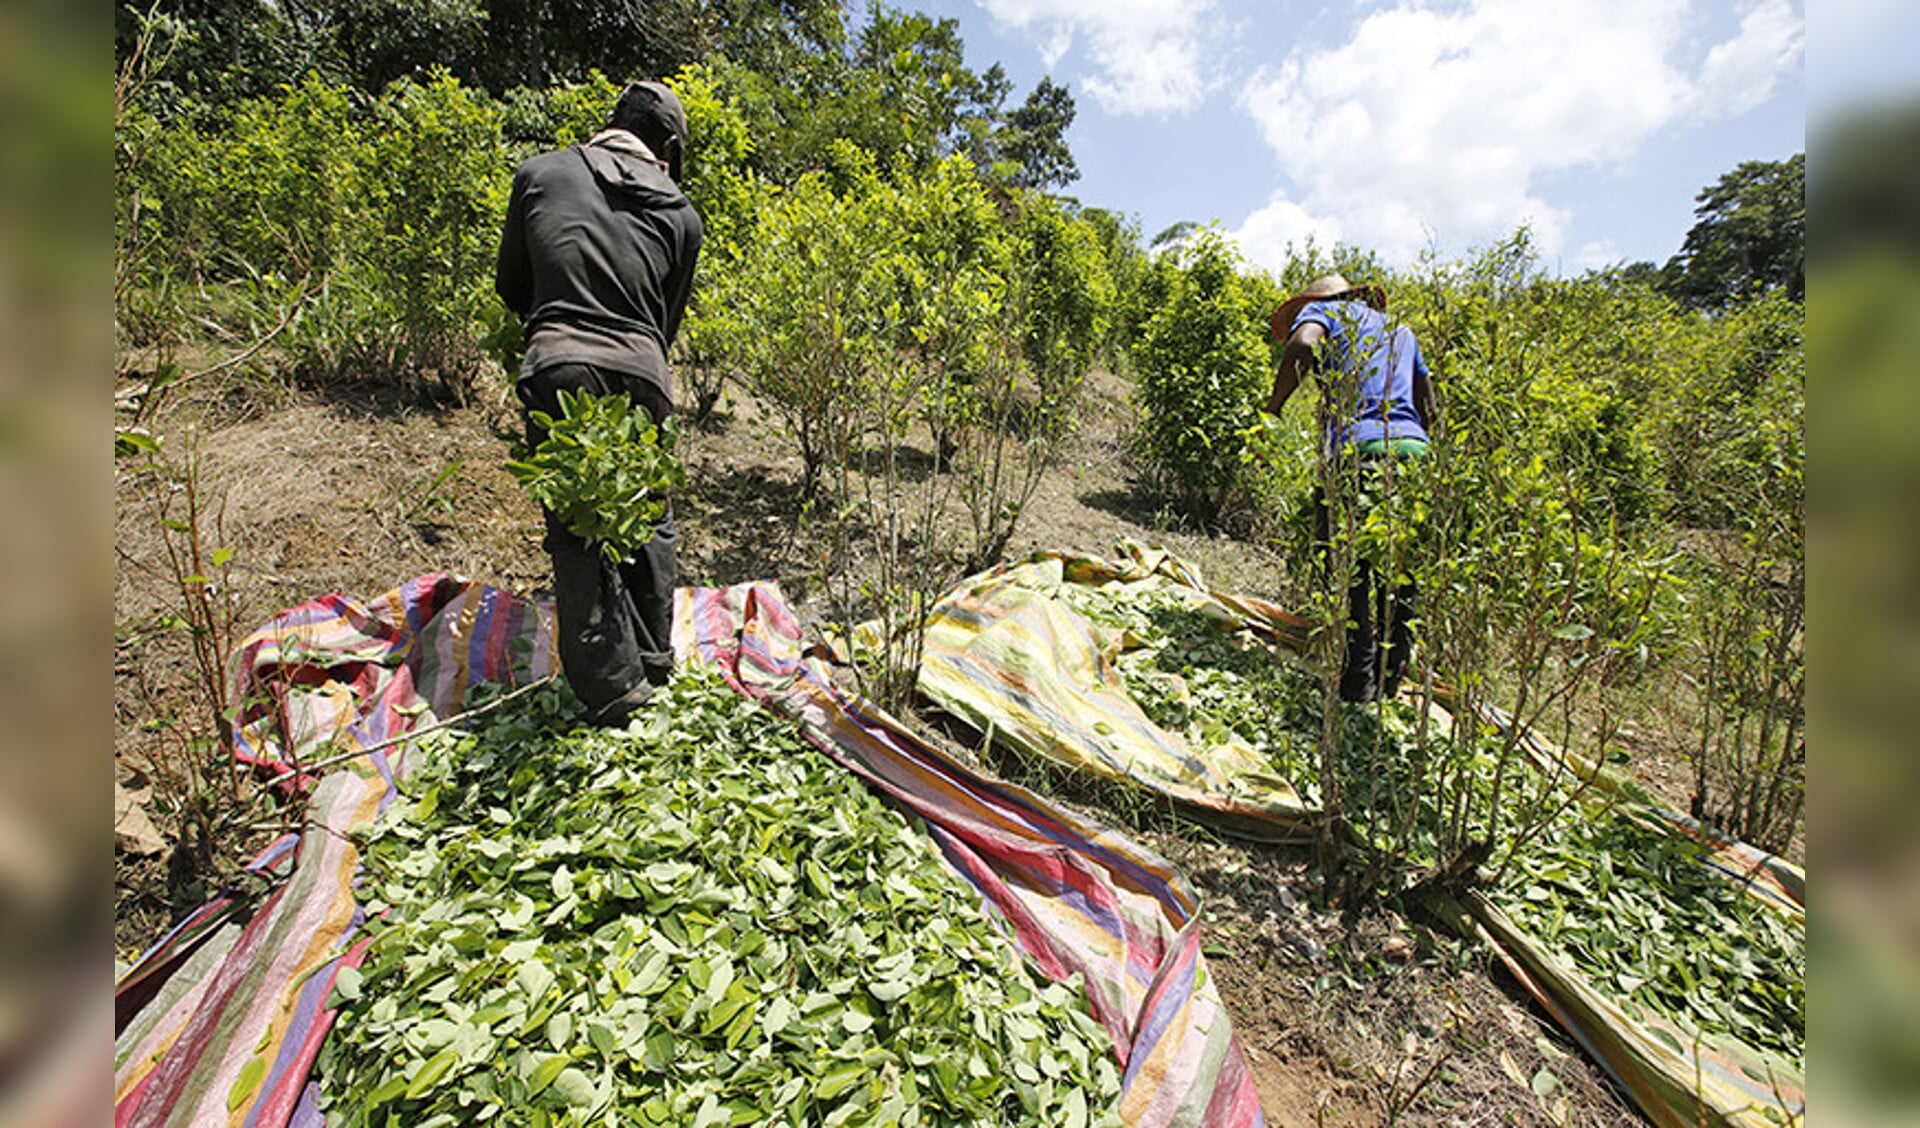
[(133, 394), (332, 761)]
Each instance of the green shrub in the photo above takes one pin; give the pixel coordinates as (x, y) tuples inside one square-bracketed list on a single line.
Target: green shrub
[(373, 223), (728, 196), (275, 183), (556, 116), (436, 193), (1203, 374), (1022, 403), (782, 317)]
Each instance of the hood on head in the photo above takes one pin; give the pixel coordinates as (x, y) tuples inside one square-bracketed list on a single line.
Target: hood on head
[(632, 176)]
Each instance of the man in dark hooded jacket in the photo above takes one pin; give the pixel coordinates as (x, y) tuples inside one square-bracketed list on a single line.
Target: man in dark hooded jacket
[(597, 258)]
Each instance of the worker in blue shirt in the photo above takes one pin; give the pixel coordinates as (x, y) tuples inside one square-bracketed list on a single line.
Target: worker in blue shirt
[(1335, 327)]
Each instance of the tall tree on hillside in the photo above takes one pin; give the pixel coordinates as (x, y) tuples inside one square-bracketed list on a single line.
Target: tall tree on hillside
[(1034, 139), (1641, 273), (380, 40), (900, 89), (535, 42), (1175, 233), (1749, 235), (908, 86), (220, 51), (897, 87)]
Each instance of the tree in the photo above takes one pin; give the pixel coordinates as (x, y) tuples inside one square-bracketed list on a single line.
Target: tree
[(899, 86), (1035, 139), (538, 42), (221, 51), (1749, 236), (1128, 267), (1175, 234), (1202, 365), (379, 41), (1641, 273)]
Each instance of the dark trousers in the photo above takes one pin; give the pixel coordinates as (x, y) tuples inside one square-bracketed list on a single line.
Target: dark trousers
[(1380, 618), (615, 619)]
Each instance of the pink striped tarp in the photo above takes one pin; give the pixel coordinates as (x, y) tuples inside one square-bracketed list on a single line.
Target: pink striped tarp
[(1081, 898), (231, 1034), (230, 1037)]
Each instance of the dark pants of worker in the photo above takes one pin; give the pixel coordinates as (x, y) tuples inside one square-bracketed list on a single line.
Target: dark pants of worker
[(615, 620), (1380, 618)]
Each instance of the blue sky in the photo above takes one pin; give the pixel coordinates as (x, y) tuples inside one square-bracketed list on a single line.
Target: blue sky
[(1397, 125)]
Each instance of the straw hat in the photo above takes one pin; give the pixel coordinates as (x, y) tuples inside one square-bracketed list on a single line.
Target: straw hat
[(1329, 287)]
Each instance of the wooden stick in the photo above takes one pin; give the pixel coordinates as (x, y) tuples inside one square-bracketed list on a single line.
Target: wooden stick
[(331, 761), (133, 394)]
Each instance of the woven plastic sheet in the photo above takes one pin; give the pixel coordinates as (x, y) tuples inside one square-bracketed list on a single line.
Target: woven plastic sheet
[(221, 1022), (1007, 652)]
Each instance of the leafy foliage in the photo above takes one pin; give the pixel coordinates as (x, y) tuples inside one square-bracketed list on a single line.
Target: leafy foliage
[(271, 181), (929, 286), (1738, 440), (1127, 268), (217, 52), (346, 163), (381, 41), (1749, 235), (1020, 406), (923, 337), (1210, 687), (227, 50), (1634, 907), (784, 318), (1619, 484), (368, 225), (603, 469), (436, 194), (195, 765), (1034, 141), (728, 194), (1202, 369), (700, 920), (1620, 896), (557, 115), (898, 89)]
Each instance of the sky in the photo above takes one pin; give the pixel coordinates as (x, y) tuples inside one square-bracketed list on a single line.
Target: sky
[(1406, 125)]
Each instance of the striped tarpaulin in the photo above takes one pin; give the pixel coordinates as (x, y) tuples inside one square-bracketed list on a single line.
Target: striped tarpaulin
[(231, 1036), (1678, 1080), (1080, 898), (1007, 653)]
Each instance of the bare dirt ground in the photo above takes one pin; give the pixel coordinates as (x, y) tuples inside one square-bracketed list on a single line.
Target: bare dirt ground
[(1361, 1019)]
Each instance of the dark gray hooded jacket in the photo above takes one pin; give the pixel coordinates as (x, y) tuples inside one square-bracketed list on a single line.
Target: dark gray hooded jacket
[(597, 257)]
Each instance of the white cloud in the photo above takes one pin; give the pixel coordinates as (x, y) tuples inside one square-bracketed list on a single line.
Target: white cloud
[(1438, 119), (1739, 74), (1057, 46), (1597, 254), (1146, 55), (1269, 235)]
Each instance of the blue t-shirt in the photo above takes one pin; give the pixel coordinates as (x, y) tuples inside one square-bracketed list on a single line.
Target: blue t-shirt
[(1384, 356)]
